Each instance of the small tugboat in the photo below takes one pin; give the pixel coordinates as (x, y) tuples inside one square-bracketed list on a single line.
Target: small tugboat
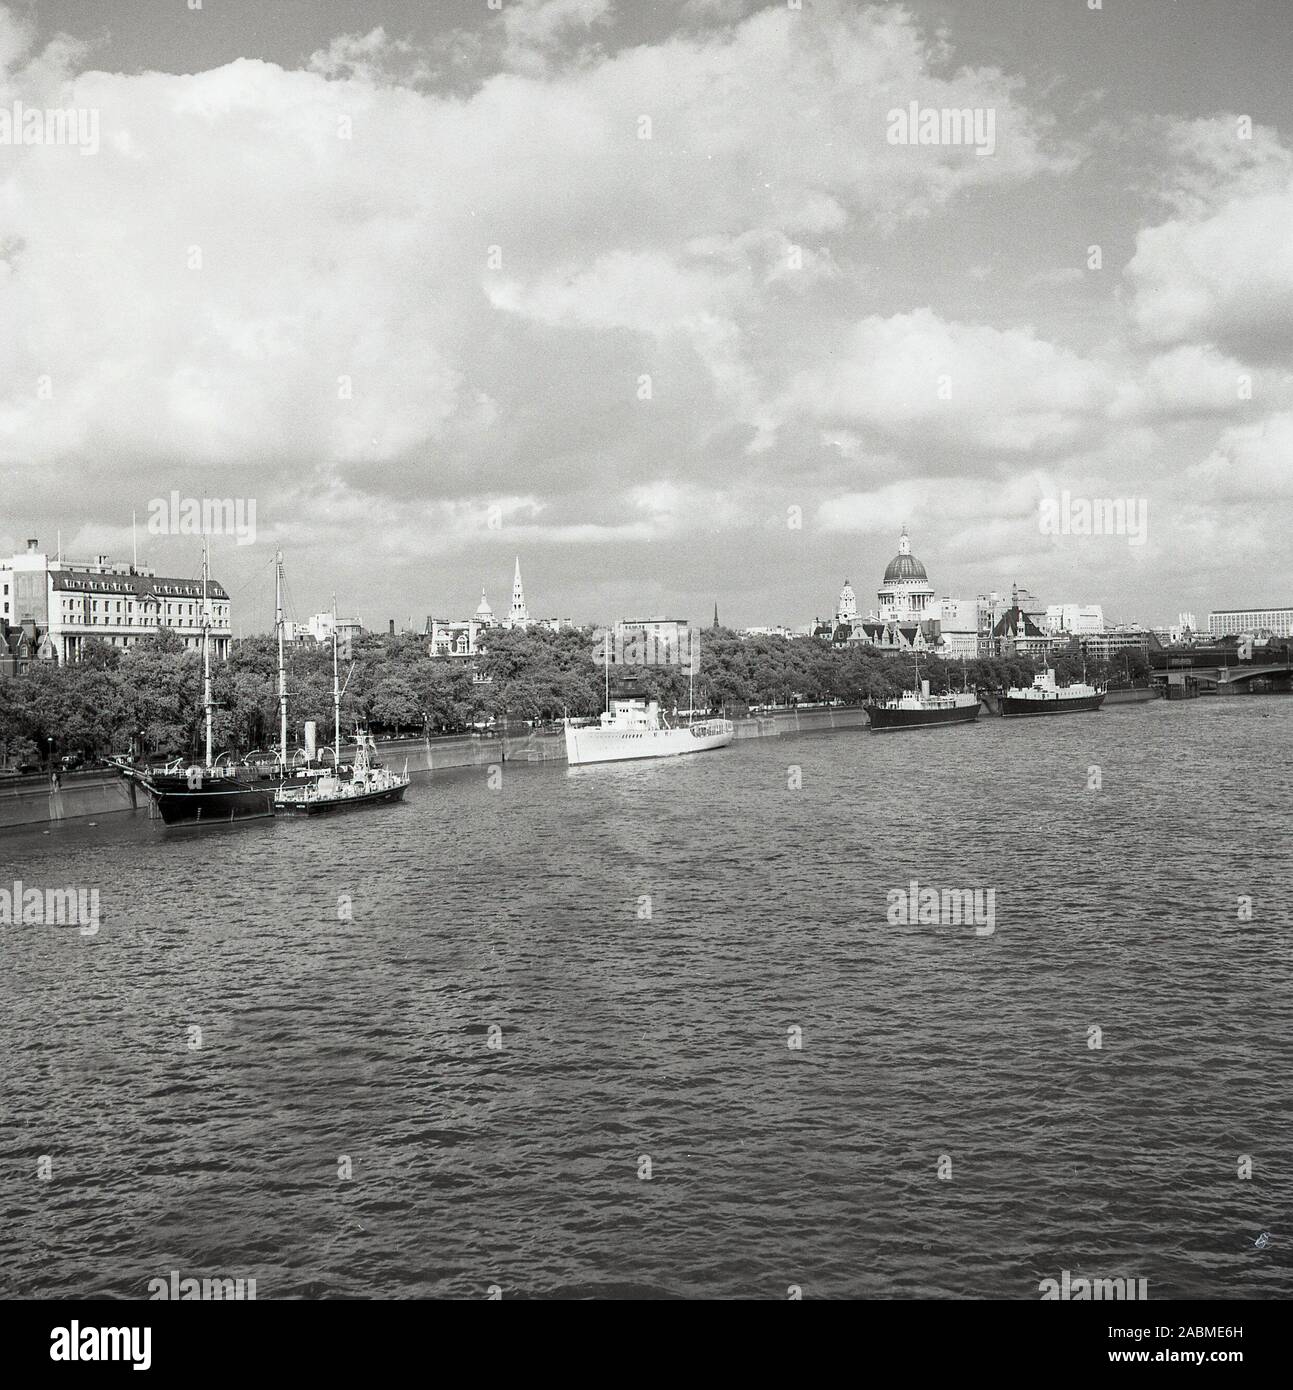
[(1045, 697), (369, 784), (921, 710)]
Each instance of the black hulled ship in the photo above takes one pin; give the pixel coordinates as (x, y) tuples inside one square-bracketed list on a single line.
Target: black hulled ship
[(209, 793), (206, 795), (920, 710), (1045, 697)]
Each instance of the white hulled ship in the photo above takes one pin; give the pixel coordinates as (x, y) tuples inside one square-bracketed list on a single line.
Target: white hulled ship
[(633, 728)]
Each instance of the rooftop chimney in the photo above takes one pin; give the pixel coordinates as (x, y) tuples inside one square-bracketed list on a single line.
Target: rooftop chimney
[(32, 543)]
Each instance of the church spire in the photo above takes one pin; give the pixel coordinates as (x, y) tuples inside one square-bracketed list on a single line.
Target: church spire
[(715, 614), (519, 616)]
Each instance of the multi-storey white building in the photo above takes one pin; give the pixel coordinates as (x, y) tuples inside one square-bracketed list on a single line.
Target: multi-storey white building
[(1076, 619), (958, 626), (76, 601), (1112, 642), (322, 625), (1233, 622), (653, 642), (994, 606)]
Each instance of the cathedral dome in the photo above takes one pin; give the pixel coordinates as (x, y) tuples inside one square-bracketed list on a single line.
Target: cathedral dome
[(905, 566)]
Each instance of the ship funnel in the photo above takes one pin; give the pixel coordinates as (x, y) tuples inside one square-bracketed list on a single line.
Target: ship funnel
[(311, 738), (924, 689)]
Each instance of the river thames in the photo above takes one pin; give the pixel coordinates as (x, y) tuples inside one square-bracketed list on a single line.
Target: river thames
[(648, 1029)]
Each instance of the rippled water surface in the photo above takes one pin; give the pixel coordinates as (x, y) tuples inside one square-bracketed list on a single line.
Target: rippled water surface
[(327, 1043)]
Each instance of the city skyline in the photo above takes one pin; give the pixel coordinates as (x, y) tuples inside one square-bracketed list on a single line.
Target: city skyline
[(258, 598), (738, 352)]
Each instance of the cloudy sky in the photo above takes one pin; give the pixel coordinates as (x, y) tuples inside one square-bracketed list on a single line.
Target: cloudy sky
[(641, 291)]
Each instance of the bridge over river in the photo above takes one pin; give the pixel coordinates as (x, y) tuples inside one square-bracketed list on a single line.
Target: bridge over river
[(1232, 680)]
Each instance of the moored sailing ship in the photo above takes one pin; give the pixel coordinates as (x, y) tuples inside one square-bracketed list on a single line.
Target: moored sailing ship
[(201, 795), (206, 793)]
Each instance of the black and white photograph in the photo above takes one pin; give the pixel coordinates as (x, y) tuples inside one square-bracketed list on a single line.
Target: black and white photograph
[(646, 653)]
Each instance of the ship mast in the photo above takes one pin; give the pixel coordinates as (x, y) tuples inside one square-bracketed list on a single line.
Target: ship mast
[(282, 675), (691, 679), (206, 645), (336, 691)]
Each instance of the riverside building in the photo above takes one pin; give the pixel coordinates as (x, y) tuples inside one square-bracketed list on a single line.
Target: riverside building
[(1235, 622), (461, 637), (72, 602)]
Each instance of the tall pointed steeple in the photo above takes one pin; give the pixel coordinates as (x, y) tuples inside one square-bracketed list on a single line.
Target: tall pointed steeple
[(519, 616), (715, 614)]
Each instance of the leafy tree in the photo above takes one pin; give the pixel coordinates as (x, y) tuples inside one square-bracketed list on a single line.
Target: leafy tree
[(393, 702), (98, 655), (154, 688)]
